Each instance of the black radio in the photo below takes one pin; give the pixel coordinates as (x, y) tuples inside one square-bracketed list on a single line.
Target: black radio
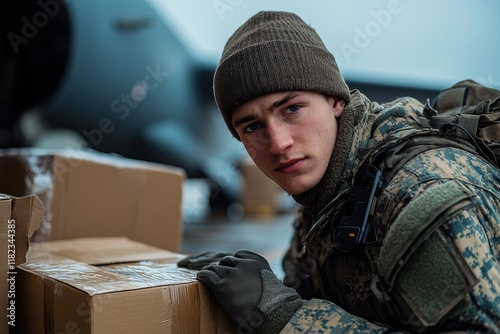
[(354, 226)]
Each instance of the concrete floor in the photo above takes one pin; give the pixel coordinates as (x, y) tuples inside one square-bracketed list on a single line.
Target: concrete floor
[(269, 237)]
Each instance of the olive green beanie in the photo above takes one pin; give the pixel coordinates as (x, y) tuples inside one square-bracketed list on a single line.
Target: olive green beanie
[(273, 52)]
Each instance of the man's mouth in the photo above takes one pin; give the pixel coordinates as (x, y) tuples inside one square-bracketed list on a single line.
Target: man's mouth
[(289, 166)]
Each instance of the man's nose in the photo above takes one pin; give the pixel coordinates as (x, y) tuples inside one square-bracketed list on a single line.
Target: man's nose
[(280, 138)]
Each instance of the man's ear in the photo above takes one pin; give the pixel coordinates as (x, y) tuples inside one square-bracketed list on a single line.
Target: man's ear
[(337, 106)]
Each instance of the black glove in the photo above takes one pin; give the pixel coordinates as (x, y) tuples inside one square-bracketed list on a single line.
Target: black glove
[(247, 289), (200, 260)]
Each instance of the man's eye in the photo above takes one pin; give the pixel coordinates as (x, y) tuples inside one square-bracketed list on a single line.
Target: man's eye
[(252, 127), (293, 108)]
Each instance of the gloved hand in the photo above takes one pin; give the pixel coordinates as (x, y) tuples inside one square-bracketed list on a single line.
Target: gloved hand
[(200, 260), (247, 289)]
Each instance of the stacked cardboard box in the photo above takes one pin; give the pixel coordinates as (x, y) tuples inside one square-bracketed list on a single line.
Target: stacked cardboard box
[(91, 194), (19, 219), (105, 256), (113, 285)]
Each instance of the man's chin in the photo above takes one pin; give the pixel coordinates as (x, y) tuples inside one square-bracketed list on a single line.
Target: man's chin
[(295, 190)]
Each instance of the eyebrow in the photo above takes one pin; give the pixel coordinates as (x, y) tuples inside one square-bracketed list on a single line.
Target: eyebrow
[(243, 119), (274, 106), (284, 100)]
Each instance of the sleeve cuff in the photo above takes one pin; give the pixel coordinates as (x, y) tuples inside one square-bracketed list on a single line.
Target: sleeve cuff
[(278, 319)]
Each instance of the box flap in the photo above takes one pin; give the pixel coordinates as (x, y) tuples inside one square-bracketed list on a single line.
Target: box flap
[(27, 212), (99, 251)]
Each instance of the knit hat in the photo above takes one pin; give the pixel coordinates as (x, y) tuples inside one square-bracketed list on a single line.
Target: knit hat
[(273, 52)]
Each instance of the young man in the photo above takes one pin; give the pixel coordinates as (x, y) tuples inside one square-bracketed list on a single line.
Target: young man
[(429, 260)]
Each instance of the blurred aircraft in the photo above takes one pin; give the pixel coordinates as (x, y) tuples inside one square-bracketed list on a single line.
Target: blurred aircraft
[(115, 74)]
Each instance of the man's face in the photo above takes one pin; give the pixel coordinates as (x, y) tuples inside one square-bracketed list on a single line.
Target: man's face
[(290, 136)]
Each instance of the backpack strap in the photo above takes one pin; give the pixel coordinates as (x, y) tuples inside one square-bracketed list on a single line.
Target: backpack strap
[(391, 155)]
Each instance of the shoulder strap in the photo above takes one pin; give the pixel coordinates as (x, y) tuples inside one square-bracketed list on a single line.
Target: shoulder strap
[(391, 155)]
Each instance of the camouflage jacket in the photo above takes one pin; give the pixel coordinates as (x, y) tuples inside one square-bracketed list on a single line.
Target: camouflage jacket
[(432, 263)]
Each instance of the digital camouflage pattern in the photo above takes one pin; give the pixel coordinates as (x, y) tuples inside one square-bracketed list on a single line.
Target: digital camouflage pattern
[(338, 286)]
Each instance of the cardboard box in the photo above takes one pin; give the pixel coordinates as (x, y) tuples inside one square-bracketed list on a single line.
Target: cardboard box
[(260, 195), (19, 218), (113, 285), (92, 194)]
